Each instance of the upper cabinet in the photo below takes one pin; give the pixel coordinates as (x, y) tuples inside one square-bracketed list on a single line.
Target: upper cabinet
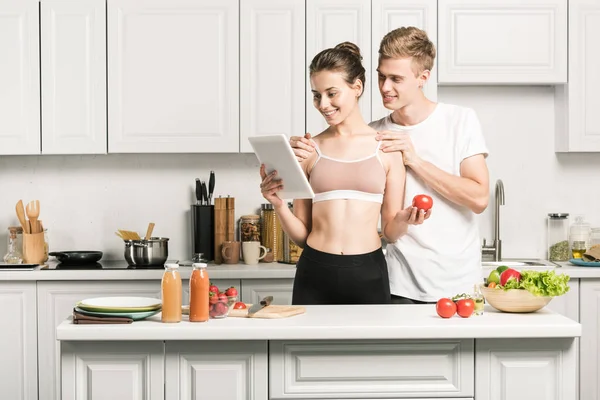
[(329, 23), (578, 119), (173, 76), (73, 59), (19, 77), (272, 69), (502, 41), (389, 15)]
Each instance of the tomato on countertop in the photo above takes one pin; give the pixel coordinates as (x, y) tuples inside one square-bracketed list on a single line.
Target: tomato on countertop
[(445, 308), (239, 306)]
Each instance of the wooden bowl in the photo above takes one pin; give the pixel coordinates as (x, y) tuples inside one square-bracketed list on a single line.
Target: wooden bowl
[(513, 300)]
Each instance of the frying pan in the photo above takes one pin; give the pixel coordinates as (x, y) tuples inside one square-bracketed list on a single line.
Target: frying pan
[(77, 257)]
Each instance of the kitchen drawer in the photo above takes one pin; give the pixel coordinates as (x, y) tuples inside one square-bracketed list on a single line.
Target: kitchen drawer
[(372, 369)]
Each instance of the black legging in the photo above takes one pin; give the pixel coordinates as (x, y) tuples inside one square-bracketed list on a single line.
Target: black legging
[(324, 278)]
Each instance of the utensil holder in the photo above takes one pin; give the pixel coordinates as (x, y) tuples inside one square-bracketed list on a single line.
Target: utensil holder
[(34, 248), (202, 231)]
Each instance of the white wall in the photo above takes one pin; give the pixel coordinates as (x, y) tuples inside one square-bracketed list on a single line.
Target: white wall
[(85, 199)]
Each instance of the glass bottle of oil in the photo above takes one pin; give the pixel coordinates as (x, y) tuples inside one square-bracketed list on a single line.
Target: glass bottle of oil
[(478, 300), (14, 255)]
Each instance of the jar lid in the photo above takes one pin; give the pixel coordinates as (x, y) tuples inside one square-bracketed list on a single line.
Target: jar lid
[(250, 216), (558, 215), (580, 226), (199, 265), (172, 266)]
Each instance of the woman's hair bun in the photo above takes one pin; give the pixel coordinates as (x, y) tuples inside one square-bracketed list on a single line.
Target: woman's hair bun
[(351, 47)]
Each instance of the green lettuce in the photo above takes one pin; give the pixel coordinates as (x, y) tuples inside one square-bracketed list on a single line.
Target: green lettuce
[(540, 283)]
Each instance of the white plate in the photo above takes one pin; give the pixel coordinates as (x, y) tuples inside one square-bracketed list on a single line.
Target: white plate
[(120, 303)]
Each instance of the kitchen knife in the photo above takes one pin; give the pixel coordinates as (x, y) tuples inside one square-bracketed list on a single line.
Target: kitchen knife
[(204, 194), (211, 186), (257, 307), (198, 192)]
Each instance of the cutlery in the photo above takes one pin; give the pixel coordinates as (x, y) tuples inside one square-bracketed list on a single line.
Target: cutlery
[(257, 307), (21, 215), (149, 231), (198, 192), (211, 186), (204, 194), (33, 212)]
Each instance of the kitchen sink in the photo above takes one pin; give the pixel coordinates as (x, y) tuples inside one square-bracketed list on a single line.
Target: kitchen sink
[(519, 263)]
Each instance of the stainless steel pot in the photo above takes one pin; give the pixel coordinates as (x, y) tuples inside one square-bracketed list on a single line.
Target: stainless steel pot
[(147, 252)]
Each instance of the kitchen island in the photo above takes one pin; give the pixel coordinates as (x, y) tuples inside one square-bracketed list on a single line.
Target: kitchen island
[(330, 352)]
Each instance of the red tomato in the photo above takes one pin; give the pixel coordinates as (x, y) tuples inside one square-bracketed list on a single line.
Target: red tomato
[(213, 288), (222, 298), (231, 292), (445, 308), (239, 306), (509, 274), (213, 298), (465, 307), (422, 202)]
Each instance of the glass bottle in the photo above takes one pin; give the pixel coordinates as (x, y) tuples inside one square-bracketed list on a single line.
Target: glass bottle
[(14, 255), (558, 237), (478, 300), (579, 237), (171, 294), (595, 237), (199, 284)]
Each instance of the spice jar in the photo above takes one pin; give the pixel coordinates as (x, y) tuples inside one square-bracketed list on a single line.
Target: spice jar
[(579, 237), (558, 237), (271, 233), (250, 228)]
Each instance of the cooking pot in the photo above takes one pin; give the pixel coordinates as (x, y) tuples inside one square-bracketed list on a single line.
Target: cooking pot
[(153, 251)]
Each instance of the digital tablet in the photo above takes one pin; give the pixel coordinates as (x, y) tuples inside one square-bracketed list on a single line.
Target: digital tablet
[(276, 153)]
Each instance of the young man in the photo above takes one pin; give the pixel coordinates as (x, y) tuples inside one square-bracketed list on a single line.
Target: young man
[(444, 151)]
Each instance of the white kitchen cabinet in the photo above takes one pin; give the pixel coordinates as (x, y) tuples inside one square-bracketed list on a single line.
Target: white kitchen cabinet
[(502, 41), (73, 76), (254, 290), (173, 76), (577, 104), (589, 348), (329, 23), (19, 77), (272, 69), (567, 304), (108, 370), (525, 369), (18, 347), (389, 15), (233, 370), (321, 369)]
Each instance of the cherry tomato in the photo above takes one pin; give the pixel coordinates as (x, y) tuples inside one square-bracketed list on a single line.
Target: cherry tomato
[(465, 307), (422, 202), (239, 305), (492, 285), (445, 308)]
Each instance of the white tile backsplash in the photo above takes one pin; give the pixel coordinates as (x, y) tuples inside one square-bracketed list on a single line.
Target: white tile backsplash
[(85, 199)]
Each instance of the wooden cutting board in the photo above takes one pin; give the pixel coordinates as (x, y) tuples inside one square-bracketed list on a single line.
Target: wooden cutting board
[(272, 311)]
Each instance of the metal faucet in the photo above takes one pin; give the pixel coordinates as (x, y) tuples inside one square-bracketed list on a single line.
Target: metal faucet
[(496, 249)]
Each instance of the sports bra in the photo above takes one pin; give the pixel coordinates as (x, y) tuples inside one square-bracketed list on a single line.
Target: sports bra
[(361, 179)]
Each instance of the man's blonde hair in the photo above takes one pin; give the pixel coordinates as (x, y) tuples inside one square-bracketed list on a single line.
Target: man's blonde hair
[(409, 42)]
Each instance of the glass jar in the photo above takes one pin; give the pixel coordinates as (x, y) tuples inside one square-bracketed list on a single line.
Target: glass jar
[(291, 251), (558, 237), (579, 237), (250, 228), (14, 254), (271, 233), (595, 237)]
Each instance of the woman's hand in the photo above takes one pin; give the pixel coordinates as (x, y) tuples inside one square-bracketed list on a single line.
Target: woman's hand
[(413, 216), (270, 185), (302, 146)]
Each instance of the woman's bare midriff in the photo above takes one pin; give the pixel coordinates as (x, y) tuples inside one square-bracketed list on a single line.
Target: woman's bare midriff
[(345, 227)]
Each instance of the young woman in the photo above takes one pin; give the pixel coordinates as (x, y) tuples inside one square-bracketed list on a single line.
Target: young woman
[(354, 183)]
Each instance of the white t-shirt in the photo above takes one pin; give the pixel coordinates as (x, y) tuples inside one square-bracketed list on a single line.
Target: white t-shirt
[(441, 257)]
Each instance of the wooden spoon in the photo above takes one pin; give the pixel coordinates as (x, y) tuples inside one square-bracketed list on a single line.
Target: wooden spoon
[(149, 231), (33, 212), (21, 215)]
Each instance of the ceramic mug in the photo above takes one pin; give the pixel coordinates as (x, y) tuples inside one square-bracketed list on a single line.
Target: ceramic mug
[(230, 252), (253, 252)]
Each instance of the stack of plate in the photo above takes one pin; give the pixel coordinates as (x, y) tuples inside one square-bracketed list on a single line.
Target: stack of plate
[(136, 308)]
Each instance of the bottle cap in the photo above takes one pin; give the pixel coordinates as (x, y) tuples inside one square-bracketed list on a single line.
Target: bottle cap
[(172, 265), (199, 265)]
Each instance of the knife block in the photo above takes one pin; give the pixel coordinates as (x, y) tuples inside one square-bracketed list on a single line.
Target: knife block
[(202, 231)]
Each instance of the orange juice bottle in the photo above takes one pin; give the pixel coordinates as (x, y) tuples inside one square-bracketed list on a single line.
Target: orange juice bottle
[(171, 294), (199, 284)]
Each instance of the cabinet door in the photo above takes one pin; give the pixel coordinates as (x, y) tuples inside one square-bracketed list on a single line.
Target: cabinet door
[(389, 15), (56, 301), (525, 369), (18, 369), (589, 353), (578, 119), (233, 370), (328, 23), (73, 48), (19, 77), (112, 370), (503, 41), (272, 69), (173, 76), (254, 290)]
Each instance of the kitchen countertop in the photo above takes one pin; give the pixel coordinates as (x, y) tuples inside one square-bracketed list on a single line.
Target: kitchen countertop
[(338, 322)]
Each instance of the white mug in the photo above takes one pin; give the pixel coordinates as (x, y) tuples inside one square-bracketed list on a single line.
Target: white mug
[(253, 252)]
